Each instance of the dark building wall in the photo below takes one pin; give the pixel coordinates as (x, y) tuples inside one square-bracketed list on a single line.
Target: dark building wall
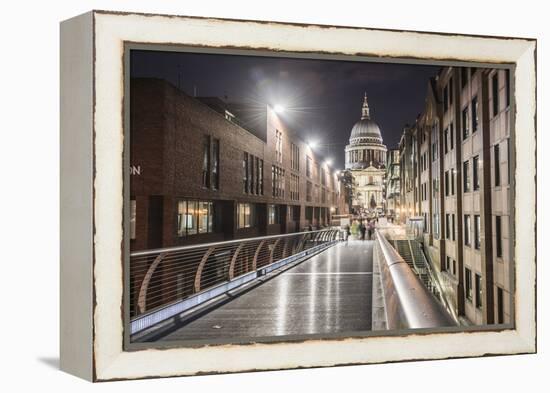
[(167, 132)]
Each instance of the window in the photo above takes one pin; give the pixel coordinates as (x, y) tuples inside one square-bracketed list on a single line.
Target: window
[(453, 227), (451, 91), (246, 216), (468, 280), (446, 137), (252, 174), (308, 192), (463, 76), (261, 177), (507, 88), (295, 157), (496, 154), (508, 162), (206, 161), (272, 214), (448, 264), (294, 187), (256, 176), (278, 181), (452, 181), (309, 213), (132, 219), (452, 136), (278, 146), (447, 186), (477, 232), (323, 177), (500, 305), (465, 123), (466, 175), (475, 118), (467, 230), (448, 226), (195, 217), (479, 291), (495, 93), (308, 166), (245, 172), (476, 174), (436, 225), (498, 235), (454, 267), (205, 217), (216, 164)]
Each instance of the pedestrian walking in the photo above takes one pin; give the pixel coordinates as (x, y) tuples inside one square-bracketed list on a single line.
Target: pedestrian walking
[(372, 225), (363, 229)]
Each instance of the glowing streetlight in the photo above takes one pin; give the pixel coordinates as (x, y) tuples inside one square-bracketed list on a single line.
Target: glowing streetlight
[(328, 162), (312, 144), (279, 108)]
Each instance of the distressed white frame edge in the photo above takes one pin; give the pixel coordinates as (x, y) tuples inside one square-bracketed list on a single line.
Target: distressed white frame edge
[(112, 30)]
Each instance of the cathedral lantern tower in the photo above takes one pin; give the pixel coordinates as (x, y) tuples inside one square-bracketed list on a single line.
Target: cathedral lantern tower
[(366, 160)]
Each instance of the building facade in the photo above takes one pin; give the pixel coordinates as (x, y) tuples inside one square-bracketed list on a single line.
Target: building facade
[(455, 166), (201, 173), (393, 185), (366, 161)]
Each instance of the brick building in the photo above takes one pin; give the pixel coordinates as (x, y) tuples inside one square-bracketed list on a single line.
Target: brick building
[(455, 174), (204, 170)]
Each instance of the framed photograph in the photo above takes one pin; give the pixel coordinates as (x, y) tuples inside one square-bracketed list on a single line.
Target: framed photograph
[(246, 195)]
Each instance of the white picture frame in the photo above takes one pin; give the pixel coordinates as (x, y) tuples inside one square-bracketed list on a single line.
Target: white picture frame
[(92, 194)]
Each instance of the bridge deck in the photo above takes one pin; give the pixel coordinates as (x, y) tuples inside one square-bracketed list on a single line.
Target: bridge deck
[(329, 293)]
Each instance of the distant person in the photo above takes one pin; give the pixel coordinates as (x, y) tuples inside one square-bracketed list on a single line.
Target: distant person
[(363, 230), (347, 232), (372, 226)]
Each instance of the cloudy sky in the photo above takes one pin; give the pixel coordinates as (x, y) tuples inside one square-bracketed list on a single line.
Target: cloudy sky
[(322, 98)]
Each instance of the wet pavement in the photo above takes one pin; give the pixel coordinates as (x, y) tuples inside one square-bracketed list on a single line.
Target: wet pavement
[(329, 293)]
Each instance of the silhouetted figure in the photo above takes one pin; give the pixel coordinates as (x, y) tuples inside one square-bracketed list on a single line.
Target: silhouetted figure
[(363, 230), (371, 225)]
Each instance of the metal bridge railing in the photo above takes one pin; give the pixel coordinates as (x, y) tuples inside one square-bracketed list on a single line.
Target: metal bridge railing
[(161, 277), (408, 303)]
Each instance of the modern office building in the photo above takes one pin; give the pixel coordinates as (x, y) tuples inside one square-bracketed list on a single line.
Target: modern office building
[(366, 161), (455, 166), (204, 170)]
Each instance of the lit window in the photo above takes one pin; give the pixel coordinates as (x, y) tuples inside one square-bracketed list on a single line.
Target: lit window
[(477, 232), (476, 174), (245, 214), (194, 217), (468, 286), (466, 176), (479, 291), (272, 214), (467, 231)]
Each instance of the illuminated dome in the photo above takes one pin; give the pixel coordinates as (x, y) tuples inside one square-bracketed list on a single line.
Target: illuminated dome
[(366, 147), (365, 130)]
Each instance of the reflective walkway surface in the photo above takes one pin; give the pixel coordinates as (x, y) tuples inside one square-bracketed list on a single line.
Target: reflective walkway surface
[(329, 293)]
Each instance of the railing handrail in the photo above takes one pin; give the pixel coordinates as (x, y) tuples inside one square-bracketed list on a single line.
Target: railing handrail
[(222, 242), (435, 280), (417, 307)]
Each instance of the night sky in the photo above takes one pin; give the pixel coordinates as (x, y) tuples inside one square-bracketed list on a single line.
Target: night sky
[(322, 98)]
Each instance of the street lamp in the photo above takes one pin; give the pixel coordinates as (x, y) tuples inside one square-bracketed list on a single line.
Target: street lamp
[(312, 144), (279, 108)]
